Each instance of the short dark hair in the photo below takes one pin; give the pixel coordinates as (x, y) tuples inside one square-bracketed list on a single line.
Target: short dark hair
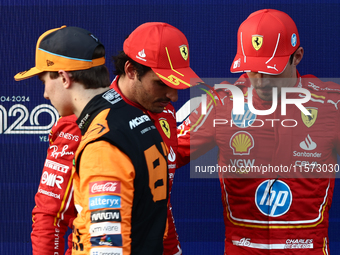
[(93, 78), (120, 60)]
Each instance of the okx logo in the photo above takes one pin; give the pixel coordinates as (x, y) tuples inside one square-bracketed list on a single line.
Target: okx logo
[(273, 198)]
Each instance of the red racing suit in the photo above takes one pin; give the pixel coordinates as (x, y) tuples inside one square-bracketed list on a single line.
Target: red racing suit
[(165, 123), (54, 209), (284, 212)]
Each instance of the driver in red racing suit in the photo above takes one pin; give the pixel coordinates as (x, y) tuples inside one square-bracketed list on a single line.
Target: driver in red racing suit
[(285, 211), (54, 209)]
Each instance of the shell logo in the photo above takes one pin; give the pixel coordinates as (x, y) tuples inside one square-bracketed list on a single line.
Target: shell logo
[(241, 143)]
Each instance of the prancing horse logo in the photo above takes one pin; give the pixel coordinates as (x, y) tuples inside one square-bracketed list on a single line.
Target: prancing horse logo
[(165, 127), (257, 41), (184, 52)]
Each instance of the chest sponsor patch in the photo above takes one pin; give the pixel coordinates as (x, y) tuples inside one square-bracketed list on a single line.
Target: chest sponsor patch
[(105, 215), (165, 127), (105, 228), (106, 251), (112, 96), (309, 120), (108, 187), (109, 240), (101, 202), (241, 143), (243, 120), (273, 198)]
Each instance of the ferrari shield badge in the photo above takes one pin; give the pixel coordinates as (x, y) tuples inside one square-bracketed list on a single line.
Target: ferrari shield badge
[(257, 41), (184, 52), (165, 127), (309, 120)]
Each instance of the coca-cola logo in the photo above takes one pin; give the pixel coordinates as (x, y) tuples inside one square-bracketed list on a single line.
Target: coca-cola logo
[(107, 187)]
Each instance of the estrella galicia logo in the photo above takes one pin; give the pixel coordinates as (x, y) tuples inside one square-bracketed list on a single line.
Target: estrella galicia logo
[(243, 120), (109, 240), (273, 198)]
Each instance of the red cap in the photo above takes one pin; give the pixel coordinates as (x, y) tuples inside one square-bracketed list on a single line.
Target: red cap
[(265, 41), (165, 49)]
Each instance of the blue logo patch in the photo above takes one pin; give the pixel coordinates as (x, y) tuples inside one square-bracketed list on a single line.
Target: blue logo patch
[(245, 120), (293, 40), (110, 240), (104, 202), (273, 198)]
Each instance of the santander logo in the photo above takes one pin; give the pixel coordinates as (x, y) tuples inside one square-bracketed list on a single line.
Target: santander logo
[(172, 155), (108, 187)]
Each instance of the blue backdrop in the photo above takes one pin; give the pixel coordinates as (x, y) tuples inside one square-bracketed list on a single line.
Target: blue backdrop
[(211, 28)]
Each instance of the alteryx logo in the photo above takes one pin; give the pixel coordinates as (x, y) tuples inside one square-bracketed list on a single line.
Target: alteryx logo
[(273, 198), (101, 202), (243, 120)]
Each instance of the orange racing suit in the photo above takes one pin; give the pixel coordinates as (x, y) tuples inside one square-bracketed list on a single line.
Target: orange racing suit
[(165, 123), (120, 180)]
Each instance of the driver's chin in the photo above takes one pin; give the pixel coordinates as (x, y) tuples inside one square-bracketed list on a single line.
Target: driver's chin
[(265, 97), (154, 108), (157, 109)]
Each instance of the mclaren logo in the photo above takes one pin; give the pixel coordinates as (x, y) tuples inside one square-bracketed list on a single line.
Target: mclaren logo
[(165, 127), (309, 120), (257, 41), (184, 51), (49, 63)]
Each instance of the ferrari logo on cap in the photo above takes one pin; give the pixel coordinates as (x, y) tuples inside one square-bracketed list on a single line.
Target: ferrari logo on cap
[(309, 120), (184, 51), (257, 41), (165, 127)]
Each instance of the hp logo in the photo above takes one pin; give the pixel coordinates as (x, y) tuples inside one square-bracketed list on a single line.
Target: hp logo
[(273, 198), (243, 120)]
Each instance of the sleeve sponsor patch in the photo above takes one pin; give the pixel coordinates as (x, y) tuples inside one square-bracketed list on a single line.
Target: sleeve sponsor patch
[(109, 187), (105, 215), (101, 202), (105, 228), (109, 240)]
